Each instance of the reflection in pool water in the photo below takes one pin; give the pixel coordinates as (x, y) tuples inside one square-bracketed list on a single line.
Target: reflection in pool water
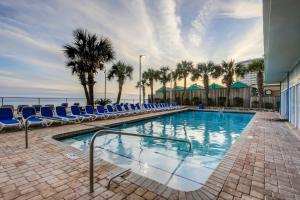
[(170, 163)]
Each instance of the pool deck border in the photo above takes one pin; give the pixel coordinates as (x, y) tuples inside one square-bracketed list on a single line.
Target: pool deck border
[(263, 163), (211, 188)]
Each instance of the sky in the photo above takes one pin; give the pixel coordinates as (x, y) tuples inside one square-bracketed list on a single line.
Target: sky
[(32, 34)]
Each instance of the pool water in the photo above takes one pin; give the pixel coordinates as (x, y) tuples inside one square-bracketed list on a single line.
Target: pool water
[(168, 162)]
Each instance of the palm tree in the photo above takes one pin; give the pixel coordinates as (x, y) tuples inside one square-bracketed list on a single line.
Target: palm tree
[(228, 70), (257, 66), (183, 69), (204, 71), (103, 53), (121, 71), (143, 84), (151, 75), (174, 76), (88, 54), (164, 76), (79, 71)]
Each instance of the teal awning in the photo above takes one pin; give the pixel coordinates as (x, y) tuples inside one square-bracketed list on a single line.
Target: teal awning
[(215, 86), (239, 84), (195, 87), (179, 88), (162, 89)]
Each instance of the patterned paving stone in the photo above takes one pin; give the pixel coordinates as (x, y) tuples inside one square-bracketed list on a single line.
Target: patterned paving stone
[(264, 163)]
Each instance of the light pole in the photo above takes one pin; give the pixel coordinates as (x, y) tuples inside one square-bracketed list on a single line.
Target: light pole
[(140, 87), (104, 82), (171, 90)]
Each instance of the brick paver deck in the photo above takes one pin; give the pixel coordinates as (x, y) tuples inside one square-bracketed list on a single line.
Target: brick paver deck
[(264, 163)]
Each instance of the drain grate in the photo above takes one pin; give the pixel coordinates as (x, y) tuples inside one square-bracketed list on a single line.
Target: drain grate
[(71, 156)]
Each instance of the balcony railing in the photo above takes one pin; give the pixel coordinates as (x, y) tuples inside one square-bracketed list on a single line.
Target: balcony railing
[(15, 101)]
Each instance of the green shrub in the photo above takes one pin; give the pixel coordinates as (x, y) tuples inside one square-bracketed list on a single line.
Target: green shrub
[(221, 101), (254, 104), (269, 105), (238, 101), (196, 101), (102, 101), (210, 102), (186, 101), (158, 100)]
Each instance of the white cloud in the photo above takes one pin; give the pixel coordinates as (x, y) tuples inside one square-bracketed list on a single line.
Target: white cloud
[(241, 9), (35, 36)]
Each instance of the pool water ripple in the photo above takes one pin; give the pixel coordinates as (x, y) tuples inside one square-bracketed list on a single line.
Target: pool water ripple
[(211, 133)]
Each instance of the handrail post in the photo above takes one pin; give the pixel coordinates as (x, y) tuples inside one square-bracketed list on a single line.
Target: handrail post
[(26, 127), (26, 134), (26, 130), (91, 163)]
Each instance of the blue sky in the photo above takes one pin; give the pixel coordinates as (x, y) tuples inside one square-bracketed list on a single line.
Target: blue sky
[(166, 31)]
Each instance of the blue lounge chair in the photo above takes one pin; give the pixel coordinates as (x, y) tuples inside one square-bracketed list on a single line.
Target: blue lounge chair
[(34, 120), (20, 107), (7, 118), (146, 107), (151, 106), (134, 109), (158, 107), (200, 106), (75, 110), (111, 111), (171, 106), (101, 110), (62, 113), (167, 106), (89, 110), (138, 107), (127, 109), (120, 110), (9, 106), (51, 106), (46, 111), (37, 108), (64, 105)]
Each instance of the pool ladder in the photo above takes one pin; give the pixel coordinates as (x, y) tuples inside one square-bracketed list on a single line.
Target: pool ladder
[(107, 132)]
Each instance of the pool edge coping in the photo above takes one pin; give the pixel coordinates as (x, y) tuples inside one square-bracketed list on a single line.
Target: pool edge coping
[(213, 185)]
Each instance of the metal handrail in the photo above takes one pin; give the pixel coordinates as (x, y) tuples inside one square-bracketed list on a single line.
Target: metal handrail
[(107, 132)]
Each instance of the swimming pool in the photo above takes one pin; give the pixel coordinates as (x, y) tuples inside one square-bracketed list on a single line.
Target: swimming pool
[(168, 162)]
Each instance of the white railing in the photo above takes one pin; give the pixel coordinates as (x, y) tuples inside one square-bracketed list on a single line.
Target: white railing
[(15, 101)]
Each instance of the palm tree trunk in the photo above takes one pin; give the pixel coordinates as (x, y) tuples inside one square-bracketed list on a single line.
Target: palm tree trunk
[(175, 91), (228, 96), (144, 93), (206, 88), (151, 87), (86, 93), (120, 92), (260, 88), (83, 83), (165, 92), (91, 84), (184, 88)]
